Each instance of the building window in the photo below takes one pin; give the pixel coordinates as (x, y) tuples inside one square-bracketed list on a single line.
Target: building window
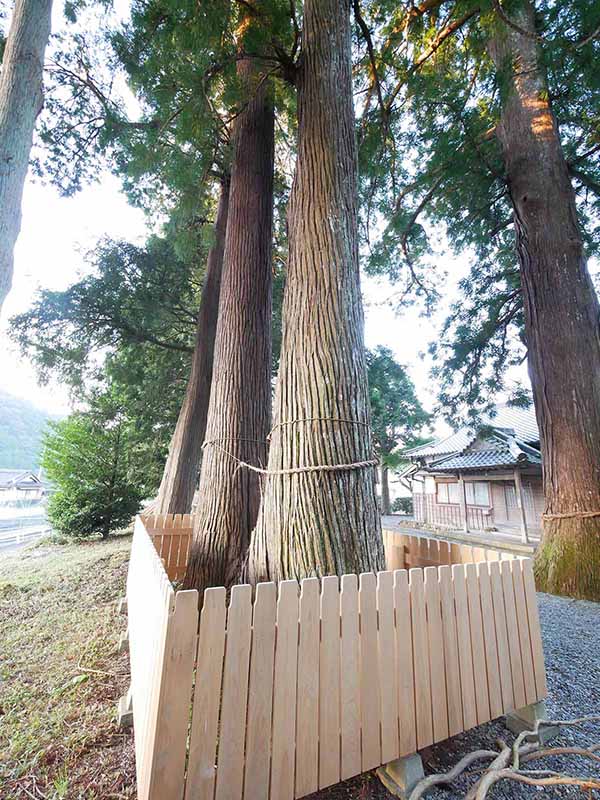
[(442, 492), (448, 493), (510, 494), (478, 493)]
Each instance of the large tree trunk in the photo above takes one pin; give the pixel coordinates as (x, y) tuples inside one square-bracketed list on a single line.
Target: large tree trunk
[(21, 100), (240, 401), (561, 315), (180, 476), (321, 522)]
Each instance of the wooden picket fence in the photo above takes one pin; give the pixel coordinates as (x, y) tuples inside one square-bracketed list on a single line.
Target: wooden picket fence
[(172, 537), (277, 694)]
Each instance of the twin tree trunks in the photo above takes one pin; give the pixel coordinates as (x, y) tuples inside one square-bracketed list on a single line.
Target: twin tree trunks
[(561, 313), (239, 412), (319, 522)]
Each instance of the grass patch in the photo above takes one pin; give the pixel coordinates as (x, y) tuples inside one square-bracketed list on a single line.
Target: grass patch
[(60, 674)]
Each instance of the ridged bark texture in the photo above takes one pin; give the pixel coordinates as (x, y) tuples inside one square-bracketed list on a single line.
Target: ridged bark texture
[(21, 100), (561, 314), (240, 401), (180, 476), (319, 523)]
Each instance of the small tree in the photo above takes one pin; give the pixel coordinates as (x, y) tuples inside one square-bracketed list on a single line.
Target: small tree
[(397, 416), (85, 457)]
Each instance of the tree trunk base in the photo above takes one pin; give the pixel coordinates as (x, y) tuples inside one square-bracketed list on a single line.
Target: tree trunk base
[(567, 561)]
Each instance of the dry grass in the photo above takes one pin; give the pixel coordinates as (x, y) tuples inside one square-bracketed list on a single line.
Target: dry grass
[(60, 674)]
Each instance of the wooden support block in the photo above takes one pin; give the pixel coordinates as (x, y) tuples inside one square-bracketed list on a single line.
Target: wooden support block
[(123, 646), (125, 710), (402, 775), (524, 719)]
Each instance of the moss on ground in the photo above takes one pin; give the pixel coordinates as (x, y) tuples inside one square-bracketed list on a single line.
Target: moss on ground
[(60, 674)]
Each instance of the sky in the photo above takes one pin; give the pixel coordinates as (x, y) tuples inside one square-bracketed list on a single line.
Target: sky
[(56, 232)]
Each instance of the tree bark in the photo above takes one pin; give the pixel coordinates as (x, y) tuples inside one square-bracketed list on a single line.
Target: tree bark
[(325, 522), (386, 506), (21, 100), (239, 412), (561, 314), (180, 476)]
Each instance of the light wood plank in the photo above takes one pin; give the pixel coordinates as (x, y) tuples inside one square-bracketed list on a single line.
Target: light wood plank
[(489, 635), (169, 749), (350, 679), (390, 747), (230, 764), (523, 626), (421, 660), (207, 696), (436, 654), (508, 702), (535, 633), (329, 683), (465, 656), (404, 665), (284, 694), (260, 693), (307, 722), (451, 662), (482, 698), (514, 645), (369, 676)]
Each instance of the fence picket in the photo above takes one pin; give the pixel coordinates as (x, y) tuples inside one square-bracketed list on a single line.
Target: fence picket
[(260, 693), (482, 697), (450, 636), (390, 748), (284, 693), (307, 723), (421, 660), (489, 635), (329, 684), (514, 645), (349, 679), (207, 696), (535, 633), (506, 686), (169, 750), (369, 677), (465, 658), (404, 664), (230, 771), (522, 622), (436, 654)]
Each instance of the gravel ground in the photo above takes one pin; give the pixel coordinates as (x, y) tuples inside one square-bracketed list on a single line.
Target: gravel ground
[(571, 633)]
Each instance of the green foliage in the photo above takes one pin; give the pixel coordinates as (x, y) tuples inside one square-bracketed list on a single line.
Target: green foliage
[(86, 456), (431, 164), (397, 416), (403, 505), (133, 296), (21, 429)]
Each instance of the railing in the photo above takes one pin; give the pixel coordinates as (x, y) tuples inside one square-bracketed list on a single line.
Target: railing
[(298, 686), (448, 515)]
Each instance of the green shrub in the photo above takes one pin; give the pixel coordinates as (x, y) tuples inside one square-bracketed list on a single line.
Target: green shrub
[(86, 458)]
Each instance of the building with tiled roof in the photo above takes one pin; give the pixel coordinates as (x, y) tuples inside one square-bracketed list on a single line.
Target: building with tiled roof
[(482, 477)]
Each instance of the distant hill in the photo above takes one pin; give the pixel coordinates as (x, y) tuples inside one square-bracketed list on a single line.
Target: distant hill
[(21, 429)]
